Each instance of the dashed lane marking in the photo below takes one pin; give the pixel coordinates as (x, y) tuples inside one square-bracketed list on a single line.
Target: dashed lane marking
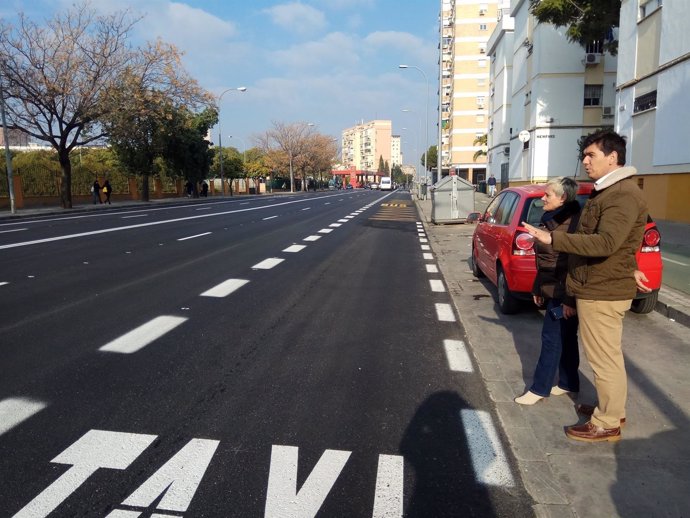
[(388, 501), (295, 248), (267, 264), (13, 230), (431, 268), (444, 312), (194, 236), (16, 410), (437, 286), (428, 256), (457, 356), (225, 288), (312, 238), (488, 458), (335, 225), (143, 335), (325, 231), (269, 217), (135, 216), (426, 247), (343, 220)]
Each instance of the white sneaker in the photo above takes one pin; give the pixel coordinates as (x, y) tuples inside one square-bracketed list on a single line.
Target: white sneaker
[(528, 398), (558, 391)]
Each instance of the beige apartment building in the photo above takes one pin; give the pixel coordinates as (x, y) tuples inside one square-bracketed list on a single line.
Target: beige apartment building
[(363, 145), (466, 26)]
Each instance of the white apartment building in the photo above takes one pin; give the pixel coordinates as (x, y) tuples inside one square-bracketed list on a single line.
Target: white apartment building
[(466, 26), (396, 151), (363, 145), (653, 106), (545, 94)]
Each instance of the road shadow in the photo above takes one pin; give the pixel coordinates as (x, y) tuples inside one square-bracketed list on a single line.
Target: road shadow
[(445, 485)]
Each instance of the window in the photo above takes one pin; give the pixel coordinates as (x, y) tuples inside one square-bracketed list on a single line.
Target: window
[(480, 101), (505, 211), (593, 95), (645, 102), (482, 26)]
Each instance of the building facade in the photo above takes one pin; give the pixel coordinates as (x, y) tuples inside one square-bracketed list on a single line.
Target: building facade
[(365, 144), (466, 26), (396, 151), (653, 108)]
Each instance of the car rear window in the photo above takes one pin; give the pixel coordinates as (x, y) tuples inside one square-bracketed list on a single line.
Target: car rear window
[(534, 209)]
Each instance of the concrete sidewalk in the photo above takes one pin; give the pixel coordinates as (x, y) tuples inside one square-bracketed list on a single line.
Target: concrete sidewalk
[(648, 472)]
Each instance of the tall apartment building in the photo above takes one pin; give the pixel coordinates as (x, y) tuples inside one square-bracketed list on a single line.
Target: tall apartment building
[(545, 94), (363, 145), (464, 84), (653, 107), (396, 151)]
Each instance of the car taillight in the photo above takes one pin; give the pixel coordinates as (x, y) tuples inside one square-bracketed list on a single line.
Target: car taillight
[(523, 244), (650, 241)]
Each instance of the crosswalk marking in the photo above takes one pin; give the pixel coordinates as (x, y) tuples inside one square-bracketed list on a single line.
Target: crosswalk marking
[(143, 335), (388, 499), (16, 410), (225, 288)]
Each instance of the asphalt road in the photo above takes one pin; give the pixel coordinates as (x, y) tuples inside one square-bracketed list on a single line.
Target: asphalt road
[(279, 357)]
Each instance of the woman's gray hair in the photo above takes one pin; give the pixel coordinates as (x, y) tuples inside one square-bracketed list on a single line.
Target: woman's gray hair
[(564, 186)]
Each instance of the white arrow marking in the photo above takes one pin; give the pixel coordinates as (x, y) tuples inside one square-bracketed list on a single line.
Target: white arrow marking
[(283, 500), (15, 410), (143, 335), (225, 288), (95, 449), (488, 459), (388, 500), (178, 478)]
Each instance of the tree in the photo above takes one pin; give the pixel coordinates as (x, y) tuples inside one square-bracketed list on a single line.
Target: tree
[(587, 20), (291, 140), (62, 79), (382, 166), (480, 141), (432, 157)]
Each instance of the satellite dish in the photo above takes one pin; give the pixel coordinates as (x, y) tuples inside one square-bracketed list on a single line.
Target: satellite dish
[(523, 136)]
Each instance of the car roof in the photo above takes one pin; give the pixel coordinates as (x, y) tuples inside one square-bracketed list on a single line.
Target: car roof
[(537, 189)]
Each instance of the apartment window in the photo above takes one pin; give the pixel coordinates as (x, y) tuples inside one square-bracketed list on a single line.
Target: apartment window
[(593, 95), (480, 101), (645, 102), (595, 47), (647, 7), (482, 26)]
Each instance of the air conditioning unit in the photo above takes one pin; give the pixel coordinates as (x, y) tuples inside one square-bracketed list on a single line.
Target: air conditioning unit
[(592, 59), (506, 150), (607, 112)]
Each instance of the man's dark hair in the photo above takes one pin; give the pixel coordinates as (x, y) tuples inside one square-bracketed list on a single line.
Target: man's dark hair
[(608, 141)]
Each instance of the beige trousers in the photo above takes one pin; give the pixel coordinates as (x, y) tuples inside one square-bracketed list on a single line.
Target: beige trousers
[(601, 331)]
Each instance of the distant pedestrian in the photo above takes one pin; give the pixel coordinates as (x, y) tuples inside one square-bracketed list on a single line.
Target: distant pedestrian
[(189, 187), (491, 182), (204, 189), (107, 189), (96, 192)]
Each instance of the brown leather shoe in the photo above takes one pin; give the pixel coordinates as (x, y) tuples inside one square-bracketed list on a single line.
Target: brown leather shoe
[(588, 410), (591, 433)]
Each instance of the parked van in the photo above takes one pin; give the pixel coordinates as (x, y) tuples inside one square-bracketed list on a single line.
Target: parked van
[(386, 184)]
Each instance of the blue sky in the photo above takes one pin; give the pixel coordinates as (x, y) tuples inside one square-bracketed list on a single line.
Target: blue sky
[(332, 63)]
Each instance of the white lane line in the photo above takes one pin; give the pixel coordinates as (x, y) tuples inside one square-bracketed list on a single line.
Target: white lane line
[(488, 458), (13, 230), (458, 358), (204, 208), (143, 335), (444, 313), (312, 238), (225, 288), (270, 217), (16, 410), (431, 268), (135, 216), (306, 208), (343, 220), (348, 217), (3, 283), (437, 286), (267, 264), (428, 257), (327, 203), (423, 240), (335, 225), (426, 247), (194, 237), (295, 248), (388, 499), (244, 203), (421, 234), (674, 262), (325, 231)]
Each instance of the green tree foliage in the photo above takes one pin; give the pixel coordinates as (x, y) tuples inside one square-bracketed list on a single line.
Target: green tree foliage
[(482, 141), (586, 20), (433, 154), (398, 175), (382, 167)]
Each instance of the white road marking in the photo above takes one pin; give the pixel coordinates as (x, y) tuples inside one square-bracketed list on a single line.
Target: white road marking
[(143, 335), (327, 203), (295, 248), (444, 312), (431, 268), (428, 257), (135, 216), (282, 498), (325, 231), (426, 247), (343, 220), (437, 286), (348, 217), (488, 458), (312, 238), (194, 236), (674, 262), (306, 208), (204, 208), (267, 264), (458, 358), (423, 240), (244, 203), (16, 410), (3, 283), (225, 288), (270, 217), (335, 225), (177, 480), (95, 449), (388, 499), (13, 230)]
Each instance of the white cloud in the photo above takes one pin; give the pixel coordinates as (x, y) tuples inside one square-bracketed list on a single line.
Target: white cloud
[(297, 17), (335, 51)]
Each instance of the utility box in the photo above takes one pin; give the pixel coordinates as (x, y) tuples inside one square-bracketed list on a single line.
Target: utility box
[(452, 200)]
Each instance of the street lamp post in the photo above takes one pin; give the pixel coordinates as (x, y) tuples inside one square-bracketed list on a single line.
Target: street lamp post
[(426, 133), (220, 141)]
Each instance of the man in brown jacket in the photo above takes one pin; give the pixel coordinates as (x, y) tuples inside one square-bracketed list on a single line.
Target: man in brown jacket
[(601, 275)]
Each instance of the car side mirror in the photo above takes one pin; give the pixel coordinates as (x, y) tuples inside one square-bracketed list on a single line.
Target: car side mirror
[(474, 217)]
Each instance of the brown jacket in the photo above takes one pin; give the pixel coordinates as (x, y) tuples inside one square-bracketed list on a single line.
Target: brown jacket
[(602, 251), (552, 266)]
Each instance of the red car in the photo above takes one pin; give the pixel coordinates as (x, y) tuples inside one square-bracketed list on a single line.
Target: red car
[(503, 251)]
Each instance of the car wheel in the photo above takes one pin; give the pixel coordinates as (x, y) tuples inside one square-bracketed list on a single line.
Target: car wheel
[(507, 303), (645, 305), (476, 271)]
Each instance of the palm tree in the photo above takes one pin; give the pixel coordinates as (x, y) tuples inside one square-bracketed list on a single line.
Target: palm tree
[(481, 140)]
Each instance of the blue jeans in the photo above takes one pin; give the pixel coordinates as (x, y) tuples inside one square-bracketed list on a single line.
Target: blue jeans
[(559, 352)]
